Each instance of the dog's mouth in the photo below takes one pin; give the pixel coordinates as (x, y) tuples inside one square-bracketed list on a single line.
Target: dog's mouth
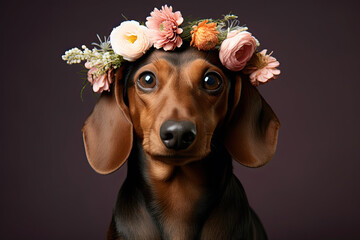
[(176, 159)]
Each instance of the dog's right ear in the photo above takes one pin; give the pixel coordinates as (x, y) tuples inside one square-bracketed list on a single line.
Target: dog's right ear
[(108, 131)]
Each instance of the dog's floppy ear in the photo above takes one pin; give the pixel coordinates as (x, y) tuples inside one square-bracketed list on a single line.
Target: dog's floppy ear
[(108, 131), (253, 128)]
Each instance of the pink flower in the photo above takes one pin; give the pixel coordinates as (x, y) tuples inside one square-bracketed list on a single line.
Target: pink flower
[(100, 83), (263, 68), (237, 49), (164, 28)]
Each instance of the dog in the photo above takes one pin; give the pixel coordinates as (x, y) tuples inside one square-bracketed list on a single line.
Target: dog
[(179, 118)]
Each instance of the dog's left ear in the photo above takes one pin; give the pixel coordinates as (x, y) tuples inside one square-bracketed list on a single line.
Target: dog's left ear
[(108, 131), (253, 128)]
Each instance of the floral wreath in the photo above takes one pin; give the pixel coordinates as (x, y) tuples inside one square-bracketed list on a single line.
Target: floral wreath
[(130, 40)]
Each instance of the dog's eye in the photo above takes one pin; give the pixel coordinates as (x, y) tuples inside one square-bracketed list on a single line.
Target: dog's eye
[(212, 82), (147, 81)]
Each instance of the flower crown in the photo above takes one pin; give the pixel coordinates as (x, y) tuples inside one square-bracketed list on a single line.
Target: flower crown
[(129, 41)]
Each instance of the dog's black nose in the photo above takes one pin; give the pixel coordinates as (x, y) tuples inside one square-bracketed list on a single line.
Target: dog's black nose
[(177, 134)]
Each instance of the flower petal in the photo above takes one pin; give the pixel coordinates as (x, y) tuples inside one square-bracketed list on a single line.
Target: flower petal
[(164, 28)]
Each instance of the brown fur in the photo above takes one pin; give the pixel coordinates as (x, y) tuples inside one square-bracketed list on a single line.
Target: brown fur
[(189, 193)]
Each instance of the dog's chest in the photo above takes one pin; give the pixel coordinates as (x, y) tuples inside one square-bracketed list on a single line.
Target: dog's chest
[(178, 199)]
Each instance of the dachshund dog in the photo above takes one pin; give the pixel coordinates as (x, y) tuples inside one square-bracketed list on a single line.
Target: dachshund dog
[(179, 118)]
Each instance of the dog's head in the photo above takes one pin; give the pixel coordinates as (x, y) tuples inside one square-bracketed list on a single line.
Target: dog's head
[(174, 102)]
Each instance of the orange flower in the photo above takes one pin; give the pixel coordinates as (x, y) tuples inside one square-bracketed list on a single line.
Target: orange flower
[(204, 36)]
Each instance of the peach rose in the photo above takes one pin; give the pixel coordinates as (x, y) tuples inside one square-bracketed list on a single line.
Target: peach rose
[(237, 49), (130, 40)]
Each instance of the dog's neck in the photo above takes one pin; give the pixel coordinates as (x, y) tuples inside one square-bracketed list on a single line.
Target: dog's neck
[(179, 197)]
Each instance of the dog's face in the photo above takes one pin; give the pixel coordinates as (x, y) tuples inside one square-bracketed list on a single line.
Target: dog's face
[(176, 101)]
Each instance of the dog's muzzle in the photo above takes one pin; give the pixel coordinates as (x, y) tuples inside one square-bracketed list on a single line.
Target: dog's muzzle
[(177, 135)]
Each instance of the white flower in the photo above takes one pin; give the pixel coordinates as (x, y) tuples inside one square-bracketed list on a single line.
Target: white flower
[(130, 40), (73, 55)]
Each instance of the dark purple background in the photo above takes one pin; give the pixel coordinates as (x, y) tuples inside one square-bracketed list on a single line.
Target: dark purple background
[(310, 190)]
